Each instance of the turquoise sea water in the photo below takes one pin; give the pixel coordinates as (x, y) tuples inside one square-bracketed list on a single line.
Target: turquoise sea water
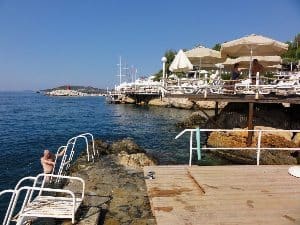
[(31, 122)]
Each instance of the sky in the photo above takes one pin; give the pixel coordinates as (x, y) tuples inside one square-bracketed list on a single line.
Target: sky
[(48, 43)]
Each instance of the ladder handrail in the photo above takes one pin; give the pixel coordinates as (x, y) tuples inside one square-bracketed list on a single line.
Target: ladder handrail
[(71, 143), (63, 147)]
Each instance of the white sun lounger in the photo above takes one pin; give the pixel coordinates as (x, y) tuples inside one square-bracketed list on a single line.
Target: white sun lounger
[(42, 202), (245, 87)]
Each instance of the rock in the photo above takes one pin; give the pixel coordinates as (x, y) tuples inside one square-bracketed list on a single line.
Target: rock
[(279, 132), (239, 140), (181, 103), (296, 139), (159, 102), (287, 135), (102, 147), (115, 185), (126, 145), (111, 221), (138, 160), (196, 119), (127, 100), (210, 104)]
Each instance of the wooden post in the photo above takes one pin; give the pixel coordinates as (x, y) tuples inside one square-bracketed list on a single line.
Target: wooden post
[(250, 123), (216, 108)]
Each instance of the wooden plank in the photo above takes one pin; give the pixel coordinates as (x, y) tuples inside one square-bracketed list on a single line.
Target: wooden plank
[(224, 195)]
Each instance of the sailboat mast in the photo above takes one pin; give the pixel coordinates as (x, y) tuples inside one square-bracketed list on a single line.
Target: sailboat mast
[(120, 69)]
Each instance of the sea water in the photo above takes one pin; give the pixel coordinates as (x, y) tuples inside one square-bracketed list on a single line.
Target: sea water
[(31, 122)]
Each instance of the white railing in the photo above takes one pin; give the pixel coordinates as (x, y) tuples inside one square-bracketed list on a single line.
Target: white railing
[(258, 148)]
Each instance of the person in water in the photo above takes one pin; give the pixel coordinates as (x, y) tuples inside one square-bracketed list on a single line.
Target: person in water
[(235, 73)]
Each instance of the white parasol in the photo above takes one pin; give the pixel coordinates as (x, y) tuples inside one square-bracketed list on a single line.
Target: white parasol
[(204, 57), (253, 45), (181, 63)]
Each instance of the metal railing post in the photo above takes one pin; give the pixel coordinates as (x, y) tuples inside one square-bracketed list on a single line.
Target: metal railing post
[(191, 148), (258, 147)]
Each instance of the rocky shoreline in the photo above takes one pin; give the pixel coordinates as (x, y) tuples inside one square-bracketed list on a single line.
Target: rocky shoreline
[(179, 103), (115, 185)]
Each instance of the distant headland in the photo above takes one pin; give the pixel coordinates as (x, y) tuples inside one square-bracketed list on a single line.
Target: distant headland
[(68, 90)]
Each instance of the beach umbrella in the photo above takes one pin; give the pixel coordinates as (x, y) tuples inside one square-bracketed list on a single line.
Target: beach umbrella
[(204, 57), (253, 45), (180, 63), (245, 60)]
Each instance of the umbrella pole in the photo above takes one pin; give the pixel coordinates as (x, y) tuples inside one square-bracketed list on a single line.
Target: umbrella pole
[(199, 67), (250, 67)]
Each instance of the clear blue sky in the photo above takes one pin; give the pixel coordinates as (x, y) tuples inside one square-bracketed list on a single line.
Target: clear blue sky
[(46, 43)]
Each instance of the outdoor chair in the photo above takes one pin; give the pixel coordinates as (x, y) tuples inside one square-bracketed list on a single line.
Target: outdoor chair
[(40, 201)]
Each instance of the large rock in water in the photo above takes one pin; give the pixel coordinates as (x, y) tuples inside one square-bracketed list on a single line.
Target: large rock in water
[(181, 103), (126, 145), (159, 102), (137, 161), (238, 139), (196, 119)]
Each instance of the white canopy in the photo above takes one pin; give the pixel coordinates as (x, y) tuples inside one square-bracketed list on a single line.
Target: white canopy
[(180, 63)]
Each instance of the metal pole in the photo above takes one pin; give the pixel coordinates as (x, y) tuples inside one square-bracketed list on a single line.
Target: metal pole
[(250, 67), (164, 71), (250, 123), (258, 148), (120, 70)]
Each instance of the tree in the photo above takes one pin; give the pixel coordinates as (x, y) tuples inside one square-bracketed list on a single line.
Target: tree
[(217, 47), (293, 51)]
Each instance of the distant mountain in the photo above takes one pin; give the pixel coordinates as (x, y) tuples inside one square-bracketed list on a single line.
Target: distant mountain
[(83, 89)]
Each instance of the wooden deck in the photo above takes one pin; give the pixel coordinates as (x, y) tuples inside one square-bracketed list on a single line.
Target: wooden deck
[(227, 195)]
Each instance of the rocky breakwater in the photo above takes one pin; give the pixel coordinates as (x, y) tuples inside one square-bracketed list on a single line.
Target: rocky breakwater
[(238, 139), (184, 103), (115, 187)]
